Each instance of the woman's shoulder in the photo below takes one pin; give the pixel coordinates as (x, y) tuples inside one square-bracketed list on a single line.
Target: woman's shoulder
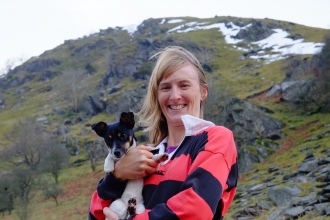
[(220, 139), (219, 130)]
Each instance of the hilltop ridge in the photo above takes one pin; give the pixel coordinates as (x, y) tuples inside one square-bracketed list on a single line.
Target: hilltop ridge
[(257, 69)]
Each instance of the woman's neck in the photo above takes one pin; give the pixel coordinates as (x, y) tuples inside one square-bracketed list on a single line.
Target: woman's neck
[(175, 135)]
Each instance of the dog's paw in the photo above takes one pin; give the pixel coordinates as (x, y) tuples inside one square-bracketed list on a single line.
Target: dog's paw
[(107, 170), (164, 157), (160, 157), (131, 209)]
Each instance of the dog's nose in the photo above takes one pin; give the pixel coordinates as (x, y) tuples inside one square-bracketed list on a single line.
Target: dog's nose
[(117, 153)]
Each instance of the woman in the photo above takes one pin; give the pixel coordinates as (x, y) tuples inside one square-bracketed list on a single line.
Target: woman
[(199, 179)]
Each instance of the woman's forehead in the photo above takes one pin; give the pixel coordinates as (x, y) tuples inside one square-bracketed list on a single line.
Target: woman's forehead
[(185, 72)]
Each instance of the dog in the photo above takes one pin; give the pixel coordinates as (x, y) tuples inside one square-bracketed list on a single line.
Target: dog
[(119, 138)]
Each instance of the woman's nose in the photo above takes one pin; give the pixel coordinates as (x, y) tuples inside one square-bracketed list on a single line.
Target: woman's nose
[(175, 93)]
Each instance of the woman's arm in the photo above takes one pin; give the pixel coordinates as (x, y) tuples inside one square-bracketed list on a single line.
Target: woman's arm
[(210, 185)]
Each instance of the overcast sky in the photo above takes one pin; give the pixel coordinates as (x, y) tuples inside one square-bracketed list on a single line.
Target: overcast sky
[(30, 27)]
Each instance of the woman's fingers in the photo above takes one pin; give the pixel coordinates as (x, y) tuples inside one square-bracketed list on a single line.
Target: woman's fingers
[(137, 162)]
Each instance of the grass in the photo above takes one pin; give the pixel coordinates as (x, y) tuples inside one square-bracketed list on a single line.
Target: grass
[(79, 182), (74, 202)]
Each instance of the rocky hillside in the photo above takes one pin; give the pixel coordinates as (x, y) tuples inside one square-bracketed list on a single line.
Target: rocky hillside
[(265, 78)]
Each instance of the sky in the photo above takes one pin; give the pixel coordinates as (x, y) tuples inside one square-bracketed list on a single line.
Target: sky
[(31, 27)]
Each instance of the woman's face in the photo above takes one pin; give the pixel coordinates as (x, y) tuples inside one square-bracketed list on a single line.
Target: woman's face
[(180, 94)]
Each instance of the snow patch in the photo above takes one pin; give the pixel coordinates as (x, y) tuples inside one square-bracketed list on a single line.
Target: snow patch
[(278, 43), (175, 21)]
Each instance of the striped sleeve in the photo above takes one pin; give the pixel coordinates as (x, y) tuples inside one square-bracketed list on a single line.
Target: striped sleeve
[(109, 189)]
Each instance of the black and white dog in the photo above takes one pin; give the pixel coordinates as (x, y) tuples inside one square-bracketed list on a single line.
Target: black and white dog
[(119, 137)]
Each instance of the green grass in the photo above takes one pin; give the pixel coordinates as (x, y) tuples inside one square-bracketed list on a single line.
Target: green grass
[(79, 181)]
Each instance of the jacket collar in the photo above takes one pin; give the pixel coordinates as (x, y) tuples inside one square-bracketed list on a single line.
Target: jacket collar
[(193, 125)]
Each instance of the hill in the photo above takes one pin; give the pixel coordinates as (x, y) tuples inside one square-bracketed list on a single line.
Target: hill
[(268, 83)]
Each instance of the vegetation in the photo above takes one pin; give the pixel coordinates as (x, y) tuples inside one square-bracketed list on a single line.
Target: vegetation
[(50, 160)]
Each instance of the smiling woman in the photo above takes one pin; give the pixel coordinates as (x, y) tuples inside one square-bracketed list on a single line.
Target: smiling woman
[(181, 94), (198, 180)]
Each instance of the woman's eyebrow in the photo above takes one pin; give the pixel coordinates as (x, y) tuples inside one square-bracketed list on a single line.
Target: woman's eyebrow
[(179, 81)]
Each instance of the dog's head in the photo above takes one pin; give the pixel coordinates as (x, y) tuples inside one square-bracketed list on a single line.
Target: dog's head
[(119, 136)]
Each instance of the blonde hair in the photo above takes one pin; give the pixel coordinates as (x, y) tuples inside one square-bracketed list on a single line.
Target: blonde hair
[(169, 60)]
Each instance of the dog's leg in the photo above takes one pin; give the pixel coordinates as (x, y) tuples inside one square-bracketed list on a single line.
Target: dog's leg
[(160, 157), (139, 208), (119, 208), (109, 164)]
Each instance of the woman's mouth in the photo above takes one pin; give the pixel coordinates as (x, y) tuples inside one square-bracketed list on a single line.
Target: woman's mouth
[(176, 107)]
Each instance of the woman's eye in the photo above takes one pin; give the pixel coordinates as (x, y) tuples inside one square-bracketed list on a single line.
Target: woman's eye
[(184, 86), (165, 88)]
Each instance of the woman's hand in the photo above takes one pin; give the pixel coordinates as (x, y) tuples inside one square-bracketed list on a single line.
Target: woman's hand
[(135, 164), (109, 214)]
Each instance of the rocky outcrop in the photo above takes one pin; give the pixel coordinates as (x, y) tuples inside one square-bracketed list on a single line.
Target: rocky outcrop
[(36, 65), (151, 27), (132, 97), (93, 105), (85, 49), (255, 132), (288, 202), (48, 75), (291, 91), (257, 31)]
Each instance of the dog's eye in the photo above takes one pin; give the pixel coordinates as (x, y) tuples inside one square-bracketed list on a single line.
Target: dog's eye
[(123, 136)]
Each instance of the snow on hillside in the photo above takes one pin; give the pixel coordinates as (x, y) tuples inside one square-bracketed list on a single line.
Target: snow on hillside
[(280, 46)]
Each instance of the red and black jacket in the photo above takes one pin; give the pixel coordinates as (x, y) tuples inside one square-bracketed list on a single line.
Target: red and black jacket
[(197, 182)]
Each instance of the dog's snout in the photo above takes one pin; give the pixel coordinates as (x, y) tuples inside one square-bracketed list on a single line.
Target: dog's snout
[(117, 153)]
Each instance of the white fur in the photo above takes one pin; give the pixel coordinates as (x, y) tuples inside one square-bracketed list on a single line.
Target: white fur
[(109, 164), (133, 190)]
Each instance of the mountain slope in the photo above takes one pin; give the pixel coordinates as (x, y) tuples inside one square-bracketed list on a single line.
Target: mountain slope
[(86, 80)]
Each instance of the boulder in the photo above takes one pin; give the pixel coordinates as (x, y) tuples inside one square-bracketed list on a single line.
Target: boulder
[(281, 196), (294, 212)]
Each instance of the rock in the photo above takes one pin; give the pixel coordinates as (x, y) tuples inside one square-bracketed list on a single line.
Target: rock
[(246, 159), (97, 105), (308, 166), (115, 89), (42, 119), (326, 189), (284, 195), (272, 169), (294, 212), (321, 207), (263, 205), (291, 90), (323, 161), (306, 200), (131, 96), (276, 215), (37, 65), (257, 31), (257, 187), (62, 130), (309, 155)]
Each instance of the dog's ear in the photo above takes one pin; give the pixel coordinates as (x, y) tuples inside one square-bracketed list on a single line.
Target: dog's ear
[(100, 128), (127, 119)]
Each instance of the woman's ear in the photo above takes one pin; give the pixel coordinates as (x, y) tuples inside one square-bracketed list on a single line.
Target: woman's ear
[(204, 92)]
